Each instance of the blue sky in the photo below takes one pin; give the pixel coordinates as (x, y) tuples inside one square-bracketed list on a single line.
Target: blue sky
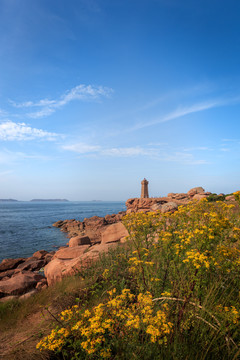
[(95, 95)]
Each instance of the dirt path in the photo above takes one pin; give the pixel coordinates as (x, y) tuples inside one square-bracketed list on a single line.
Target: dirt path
[(19, 343)]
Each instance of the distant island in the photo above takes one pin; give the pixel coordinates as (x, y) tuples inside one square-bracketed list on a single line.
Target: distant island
[(59, 200), (8, 200)]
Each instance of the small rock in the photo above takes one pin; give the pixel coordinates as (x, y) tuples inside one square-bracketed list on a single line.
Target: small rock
[(40, 285), (8, 298), (79, 240), (27, 295), (40, 254)]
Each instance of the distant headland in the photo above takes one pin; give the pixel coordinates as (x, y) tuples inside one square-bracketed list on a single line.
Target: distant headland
[(59, 200), (8, 200)]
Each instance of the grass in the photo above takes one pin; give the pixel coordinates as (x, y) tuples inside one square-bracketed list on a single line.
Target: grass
[(171, 292)]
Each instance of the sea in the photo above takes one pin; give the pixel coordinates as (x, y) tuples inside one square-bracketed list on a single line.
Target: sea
[(26, 227)]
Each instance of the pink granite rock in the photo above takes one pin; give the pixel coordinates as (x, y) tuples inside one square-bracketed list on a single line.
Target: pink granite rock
[(79, 240), (113, 233), (19, 283), (196, 190), (70, 252)]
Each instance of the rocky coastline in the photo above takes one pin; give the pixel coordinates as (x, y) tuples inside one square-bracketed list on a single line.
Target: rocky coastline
[(22, 277)]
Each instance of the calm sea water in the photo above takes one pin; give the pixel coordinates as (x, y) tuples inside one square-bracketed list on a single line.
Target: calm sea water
[(26, 227)]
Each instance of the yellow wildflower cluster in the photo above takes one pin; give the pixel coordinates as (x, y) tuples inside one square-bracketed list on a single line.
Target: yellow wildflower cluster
[(125, 315), (197, 259), (232, 315), (55, 340), (237, 196)]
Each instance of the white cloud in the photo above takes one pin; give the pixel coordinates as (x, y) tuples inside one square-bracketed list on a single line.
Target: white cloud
[(10, 130), (81, 92)]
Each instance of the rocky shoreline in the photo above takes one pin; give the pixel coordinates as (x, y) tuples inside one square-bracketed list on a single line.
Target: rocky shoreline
[(23, 277)]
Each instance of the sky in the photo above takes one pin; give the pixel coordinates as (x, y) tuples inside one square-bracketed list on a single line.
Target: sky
[(96, 95)]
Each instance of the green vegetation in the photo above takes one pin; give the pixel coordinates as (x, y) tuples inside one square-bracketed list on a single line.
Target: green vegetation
[(171, 292), (215, 197)]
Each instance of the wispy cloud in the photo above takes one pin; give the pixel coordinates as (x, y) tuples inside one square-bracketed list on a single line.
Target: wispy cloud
[(135, 151), (8, 157), (82, 148), (5, 173), (10, 130), (180, 112), (184, 158), (3, 113), (48, 106), (198, 148)]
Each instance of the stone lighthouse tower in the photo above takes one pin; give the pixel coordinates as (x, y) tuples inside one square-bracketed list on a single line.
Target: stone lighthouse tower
[(144, 189)]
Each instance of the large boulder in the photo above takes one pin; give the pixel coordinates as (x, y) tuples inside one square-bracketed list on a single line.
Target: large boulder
[(59, 268), (113, 233), (230, 198), (156, 207), (19, 283), (199, 196), (79, 240), (196, 190), (70, 252), (169, 207)]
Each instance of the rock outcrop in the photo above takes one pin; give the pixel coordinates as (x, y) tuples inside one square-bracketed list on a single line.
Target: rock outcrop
[(165, 204), (90, 227), (18, 276)]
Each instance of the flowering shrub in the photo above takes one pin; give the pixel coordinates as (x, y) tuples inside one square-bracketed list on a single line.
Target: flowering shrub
[(183, 271), (124, 316), (237, 196)]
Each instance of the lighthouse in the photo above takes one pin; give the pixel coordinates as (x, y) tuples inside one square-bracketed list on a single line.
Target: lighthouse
[(144, 189)]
